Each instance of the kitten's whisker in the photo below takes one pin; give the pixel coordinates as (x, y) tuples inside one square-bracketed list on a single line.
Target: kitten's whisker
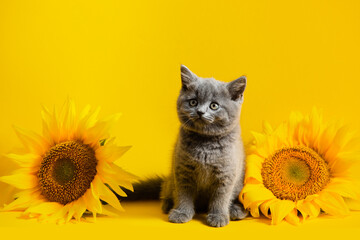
[(185, 123)]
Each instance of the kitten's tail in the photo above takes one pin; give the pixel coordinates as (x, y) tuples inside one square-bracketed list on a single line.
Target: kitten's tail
[(147, 189)]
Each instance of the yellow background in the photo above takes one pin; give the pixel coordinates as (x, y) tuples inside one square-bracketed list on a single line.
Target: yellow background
[(125, 56)]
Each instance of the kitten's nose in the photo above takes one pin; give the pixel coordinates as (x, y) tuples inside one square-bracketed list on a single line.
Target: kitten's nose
[(200, 113)]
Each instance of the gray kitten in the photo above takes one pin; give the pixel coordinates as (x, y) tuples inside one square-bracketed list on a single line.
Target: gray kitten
[(208, 162)]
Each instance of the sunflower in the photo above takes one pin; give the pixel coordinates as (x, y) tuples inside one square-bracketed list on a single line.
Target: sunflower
[(69, 169), (303, 167)]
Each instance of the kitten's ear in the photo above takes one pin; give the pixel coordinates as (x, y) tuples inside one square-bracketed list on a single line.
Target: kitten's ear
[(187, 77), (237, 87)]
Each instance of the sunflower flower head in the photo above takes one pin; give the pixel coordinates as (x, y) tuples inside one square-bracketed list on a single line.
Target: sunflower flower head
[(68, 169), (301, 168)]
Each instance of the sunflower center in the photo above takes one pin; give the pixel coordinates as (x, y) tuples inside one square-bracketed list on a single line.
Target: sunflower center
[(64, 171), (294, 173), (67, 171)]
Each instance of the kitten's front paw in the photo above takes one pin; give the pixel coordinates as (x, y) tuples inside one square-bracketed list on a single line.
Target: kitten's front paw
[(217, 220), (237, 212), (177, 216)]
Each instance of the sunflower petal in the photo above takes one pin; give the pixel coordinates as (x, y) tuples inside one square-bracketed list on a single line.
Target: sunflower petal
[(79, 208), (31, 141), (253, 170), (293, 218), (326, 139), (113, 185), (88, 117), (23, 200), (92, 200), (332, 203), (315, 120), (118, 173), (111, 152), (267, 128), (68, 120), (106, 194), (27, 160), (71, 212), (60, 214), (353, 204), (265, 207), (298, 207), (100, 130), (46, 208), (21, 181), (343, 187), (255, 193), (280, 209), (51, 128), (254, 209), (308, 209)]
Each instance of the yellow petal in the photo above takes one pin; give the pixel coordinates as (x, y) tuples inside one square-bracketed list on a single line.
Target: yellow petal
[(79, 208), (254, 209), (126, 184), (23, 200), (106, 195), (343, 187), (21, 181), (32, 141), (111, 152), (353, 204), (280, 136), (60, 214), (253, 168), (340, 167), (88, 117), (293, 127), (70, 213), (298, 207), (353, 143), (267, 128), (265, 207), (28, 160), (116, 172), (92, 200), (308, 208), (51, 128), (44, 208), (100, 130), (326, 140), (343, 136), (280, 209), (68, 120), (293, 218), (113, 185), (310, 198), (314, 128), (260, 141), (258, 137), (332, 203), (255, 193)]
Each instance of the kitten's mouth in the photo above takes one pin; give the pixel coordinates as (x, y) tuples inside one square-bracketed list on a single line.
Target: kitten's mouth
[(203, 120)]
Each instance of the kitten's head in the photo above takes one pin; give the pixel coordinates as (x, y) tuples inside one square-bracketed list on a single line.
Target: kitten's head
[(208, 106)]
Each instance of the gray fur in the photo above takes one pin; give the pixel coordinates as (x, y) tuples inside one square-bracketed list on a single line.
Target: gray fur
[(208, 160)]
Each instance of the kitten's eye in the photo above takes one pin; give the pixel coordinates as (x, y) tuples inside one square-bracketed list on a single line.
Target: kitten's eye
[(193, 102), (214, 106)]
